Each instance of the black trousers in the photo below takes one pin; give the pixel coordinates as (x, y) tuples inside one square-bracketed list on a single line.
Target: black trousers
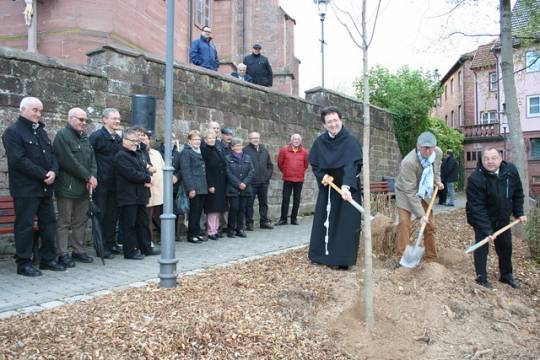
[(196, 206), (288, 188), (106, 201), (261, 192), (503, 248), (135, 229), (25, 210), (442, 195), (237, 208)]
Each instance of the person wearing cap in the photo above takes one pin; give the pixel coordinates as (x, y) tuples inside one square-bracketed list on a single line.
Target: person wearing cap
[(203, 52), (241, 74), (226, 137), (419, 172), (258, 67)]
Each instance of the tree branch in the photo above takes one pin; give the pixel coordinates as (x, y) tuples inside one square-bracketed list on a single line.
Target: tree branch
[(333, 4), (344, 24), (468, 35), (374, 24)]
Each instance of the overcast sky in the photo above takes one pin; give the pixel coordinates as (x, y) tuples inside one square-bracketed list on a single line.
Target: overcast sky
[(408, 32)]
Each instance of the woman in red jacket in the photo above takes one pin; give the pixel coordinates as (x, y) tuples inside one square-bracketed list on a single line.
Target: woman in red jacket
[(293, 163)]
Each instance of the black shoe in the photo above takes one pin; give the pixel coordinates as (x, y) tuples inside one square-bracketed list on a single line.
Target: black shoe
[(152, 252), (201, 238), (343, 267), (66, 261), (106, 255), (51, 265), (213, 237), (249, 227), (219, 235), (194, 240), (134, 255), (241, 233), (230, 234), (115, 250), (282, 222), (267, 225), (480, 280), (295, 222), (509, 279), (28, 270), (84, 258)]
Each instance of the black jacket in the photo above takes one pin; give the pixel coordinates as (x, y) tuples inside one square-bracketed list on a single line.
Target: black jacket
[(215, 177), (492, 198), (106, 146), (262, 163), (30, 157), (193, 171), (449, 169), (131, 175), (259, 69), (175, 162), (239, 171)]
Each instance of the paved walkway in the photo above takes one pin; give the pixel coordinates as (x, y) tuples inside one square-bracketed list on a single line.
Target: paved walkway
[(19, 294)]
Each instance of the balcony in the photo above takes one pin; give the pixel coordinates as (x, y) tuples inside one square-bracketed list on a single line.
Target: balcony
[(482, 132)]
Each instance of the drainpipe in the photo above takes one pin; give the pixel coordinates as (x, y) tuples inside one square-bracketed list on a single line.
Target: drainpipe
[(244, 8), (498, 89), (190, 29), (475, 98)]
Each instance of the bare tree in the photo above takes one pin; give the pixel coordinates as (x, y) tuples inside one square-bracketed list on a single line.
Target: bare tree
[(363, 43)]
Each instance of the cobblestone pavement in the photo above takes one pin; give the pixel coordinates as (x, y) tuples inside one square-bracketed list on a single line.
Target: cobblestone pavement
[(19, 294)]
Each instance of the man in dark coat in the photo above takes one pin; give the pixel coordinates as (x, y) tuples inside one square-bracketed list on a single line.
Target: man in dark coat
[(335, 156), (203, 52), (494, 193), (77, 176), (258, 67), (451, 176), (32, 169), (133, 191), (107, 143), (262, 163), (443, 194)]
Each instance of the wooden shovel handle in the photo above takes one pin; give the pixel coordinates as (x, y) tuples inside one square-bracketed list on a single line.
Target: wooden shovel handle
[(352, 201), (487, 238)]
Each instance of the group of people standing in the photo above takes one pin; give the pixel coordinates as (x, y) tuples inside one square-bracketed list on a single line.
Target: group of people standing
[(119, 170), (254, 69), (494, 194)]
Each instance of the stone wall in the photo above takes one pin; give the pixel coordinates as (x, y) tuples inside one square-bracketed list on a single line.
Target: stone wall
[(113, 75)]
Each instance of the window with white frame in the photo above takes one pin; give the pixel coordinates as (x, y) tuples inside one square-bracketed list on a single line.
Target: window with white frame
[(533, 106), (532, 61), (202, 12), (535, 149), (488, 117), (493, 81)]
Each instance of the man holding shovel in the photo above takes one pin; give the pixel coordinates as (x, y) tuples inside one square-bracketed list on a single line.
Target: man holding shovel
[(494, 193), (419, 171)]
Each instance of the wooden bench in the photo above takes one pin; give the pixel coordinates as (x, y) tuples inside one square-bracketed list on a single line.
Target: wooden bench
[(7, 222), (382, 197)]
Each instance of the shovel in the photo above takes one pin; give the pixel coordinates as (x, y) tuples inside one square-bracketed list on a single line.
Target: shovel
[(487, 238), (413, 253), (356, 205)]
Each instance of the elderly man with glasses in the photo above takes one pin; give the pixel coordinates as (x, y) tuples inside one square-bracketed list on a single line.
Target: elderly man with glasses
[(76, 178)]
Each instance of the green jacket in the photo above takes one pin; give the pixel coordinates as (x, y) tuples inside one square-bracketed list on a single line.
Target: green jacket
[(77, 163)]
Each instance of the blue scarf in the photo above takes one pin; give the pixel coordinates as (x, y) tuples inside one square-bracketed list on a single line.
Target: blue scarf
[(425, 187)]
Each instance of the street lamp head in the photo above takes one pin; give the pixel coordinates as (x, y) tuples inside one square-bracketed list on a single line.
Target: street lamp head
[(322, 5)]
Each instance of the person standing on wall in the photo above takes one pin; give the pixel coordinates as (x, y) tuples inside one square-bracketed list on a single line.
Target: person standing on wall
[(258, 67), (203, 52)]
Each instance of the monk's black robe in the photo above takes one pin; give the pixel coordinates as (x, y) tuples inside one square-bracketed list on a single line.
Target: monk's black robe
[(341, 158)]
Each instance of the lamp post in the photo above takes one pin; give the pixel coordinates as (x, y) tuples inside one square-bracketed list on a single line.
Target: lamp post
[(504, 128), (323, 7)]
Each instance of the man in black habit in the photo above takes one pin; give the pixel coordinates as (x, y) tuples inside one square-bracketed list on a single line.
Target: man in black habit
[(335, 156)]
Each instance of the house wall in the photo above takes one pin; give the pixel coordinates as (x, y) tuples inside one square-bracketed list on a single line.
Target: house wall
[(69, 32), (487, 100)]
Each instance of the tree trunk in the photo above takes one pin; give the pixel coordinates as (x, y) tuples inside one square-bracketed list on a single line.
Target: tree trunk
[(519, 157), (368, 260)]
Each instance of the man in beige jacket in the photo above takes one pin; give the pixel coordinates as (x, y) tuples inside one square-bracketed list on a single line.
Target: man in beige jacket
[(419, 171)]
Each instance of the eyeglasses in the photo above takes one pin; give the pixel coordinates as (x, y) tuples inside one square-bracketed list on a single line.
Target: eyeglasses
[(83, 120), (135, 141)]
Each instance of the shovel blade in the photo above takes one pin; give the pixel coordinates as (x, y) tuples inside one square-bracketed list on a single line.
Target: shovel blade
[(412, 256)]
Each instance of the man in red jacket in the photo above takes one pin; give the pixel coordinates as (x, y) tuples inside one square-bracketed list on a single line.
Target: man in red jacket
[(293, 163)]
